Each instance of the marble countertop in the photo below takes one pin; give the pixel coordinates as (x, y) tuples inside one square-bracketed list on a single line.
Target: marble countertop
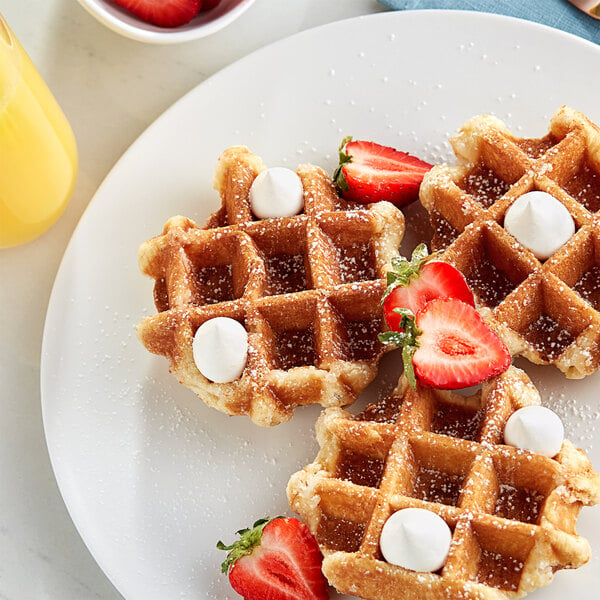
[(111, 89)]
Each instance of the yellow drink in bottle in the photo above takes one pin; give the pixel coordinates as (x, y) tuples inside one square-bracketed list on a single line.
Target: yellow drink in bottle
[(38, 154)]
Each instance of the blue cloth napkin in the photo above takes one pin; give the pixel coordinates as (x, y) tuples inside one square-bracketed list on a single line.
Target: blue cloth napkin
[(555, 13)]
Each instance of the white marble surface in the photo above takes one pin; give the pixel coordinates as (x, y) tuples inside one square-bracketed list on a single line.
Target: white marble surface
[(111, 89)]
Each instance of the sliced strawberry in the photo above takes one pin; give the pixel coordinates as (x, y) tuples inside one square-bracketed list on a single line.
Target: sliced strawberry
[(448, 346), (208, 4), (369, 172), (164, 13), (278, 559), (411, 284)]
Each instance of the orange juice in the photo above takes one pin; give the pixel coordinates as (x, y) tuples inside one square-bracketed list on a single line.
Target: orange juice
[(38, 155)]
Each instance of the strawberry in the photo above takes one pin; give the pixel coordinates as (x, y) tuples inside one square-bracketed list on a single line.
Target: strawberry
[(411, 284), (208, 4), (448, 346), (369, 172), (164, 13), (278, 559)]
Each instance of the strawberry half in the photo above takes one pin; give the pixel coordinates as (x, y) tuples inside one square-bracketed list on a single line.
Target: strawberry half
[(411, 284), (448, 346), (369, 172), (277, 559), (164, 13)]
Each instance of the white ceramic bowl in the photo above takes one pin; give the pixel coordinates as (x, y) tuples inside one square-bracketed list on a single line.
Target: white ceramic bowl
[(122, 21)]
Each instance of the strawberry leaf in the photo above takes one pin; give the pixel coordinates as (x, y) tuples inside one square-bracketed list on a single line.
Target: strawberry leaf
[(403, 270), (249, 539), (338, 175), (393, 338), (408, 333), (407, 339)]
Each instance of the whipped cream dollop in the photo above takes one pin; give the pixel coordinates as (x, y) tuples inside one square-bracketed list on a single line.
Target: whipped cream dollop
[(540, 223), (276, 192), (536, 429), (220, 349), (416, 539)]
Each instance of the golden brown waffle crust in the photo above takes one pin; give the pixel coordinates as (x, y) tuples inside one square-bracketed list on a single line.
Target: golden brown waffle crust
[(345, 512), (329, 315), (547, 311)]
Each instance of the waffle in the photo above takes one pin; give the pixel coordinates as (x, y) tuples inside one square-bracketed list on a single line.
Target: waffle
[(307, 288), (512, 513), (547, 311)]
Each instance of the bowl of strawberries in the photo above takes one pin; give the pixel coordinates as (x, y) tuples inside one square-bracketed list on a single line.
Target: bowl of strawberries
[(166, 21)]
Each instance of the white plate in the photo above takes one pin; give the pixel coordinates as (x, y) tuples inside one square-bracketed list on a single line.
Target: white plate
[(152, 485)]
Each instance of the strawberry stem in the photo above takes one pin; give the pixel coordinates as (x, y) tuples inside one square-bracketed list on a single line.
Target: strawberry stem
[(249, 539), (407, 339), (409, 370)]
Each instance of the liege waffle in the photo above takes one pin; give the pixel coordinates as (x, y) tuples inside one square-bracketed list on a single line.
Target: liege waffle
[(307, 288), (512, 513), (547, 311)]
